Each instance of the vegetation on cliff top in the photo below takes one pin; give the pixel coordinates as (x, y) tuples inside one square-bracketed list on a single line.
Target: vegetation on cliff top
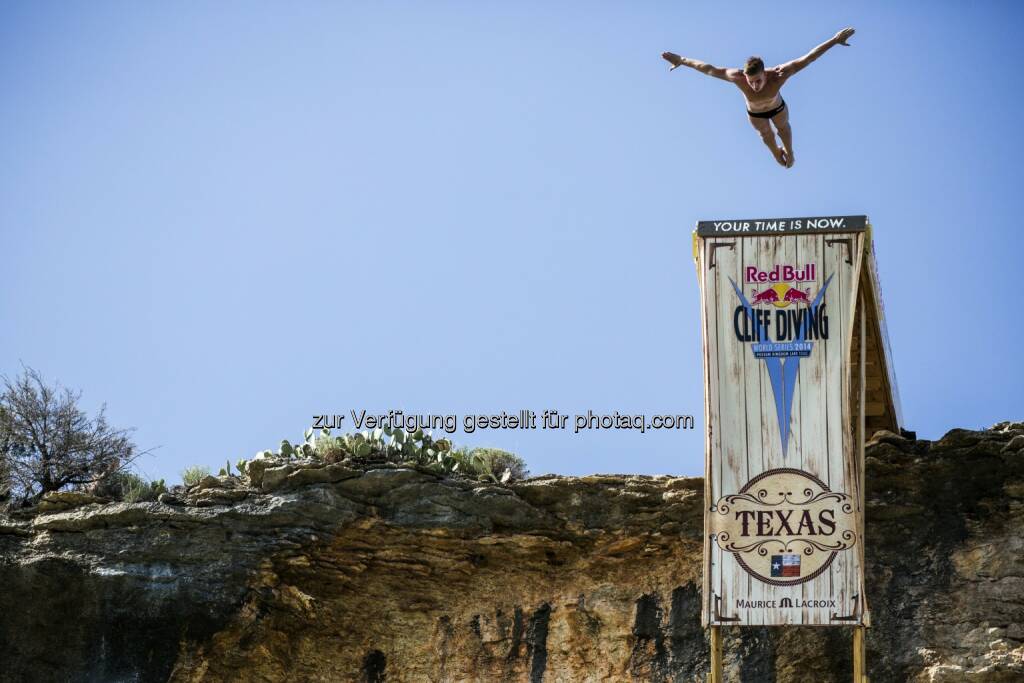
[(49, 445), (399, 447)]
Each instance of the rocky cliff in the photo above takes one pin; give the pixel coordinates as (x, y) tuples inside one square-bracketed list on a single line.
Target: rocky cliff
[(346, 573)]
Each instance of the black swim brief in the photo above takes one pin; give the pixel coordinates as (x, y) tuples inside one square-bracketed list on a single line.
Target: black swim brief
[(770, 113)]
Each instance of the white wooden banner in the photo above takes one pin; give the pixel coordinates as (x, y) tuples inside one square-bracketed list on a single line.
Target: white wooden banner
[(783, 529)]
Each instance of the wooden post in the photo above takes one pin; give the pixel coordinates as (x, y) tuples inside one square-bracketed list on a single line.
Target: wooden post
[(716, 655), (860, 663)]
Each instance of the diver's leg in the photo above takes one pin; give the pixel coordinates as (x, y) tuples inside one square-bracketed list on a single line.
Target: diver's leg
[(764, 129), (781, 121)]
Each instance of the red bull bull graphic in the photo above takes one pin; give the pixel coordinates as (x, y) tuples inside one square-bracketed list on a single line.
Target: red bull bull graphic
[(794, 296), (768, 296), (780, 296)]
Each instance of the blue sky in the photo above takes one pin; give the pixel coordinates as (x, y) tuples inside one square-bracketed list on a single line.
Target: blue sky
[(224, 218)]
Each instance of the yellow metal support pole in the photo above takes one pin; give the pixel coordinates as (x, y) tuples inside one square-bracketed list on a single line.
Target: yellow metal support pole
[(716, 655), (860, 656)]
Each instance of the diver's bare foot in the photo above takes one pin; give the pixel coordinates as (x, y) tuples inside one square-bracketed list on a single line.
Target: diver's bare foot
[(788, 155), (780, 156)]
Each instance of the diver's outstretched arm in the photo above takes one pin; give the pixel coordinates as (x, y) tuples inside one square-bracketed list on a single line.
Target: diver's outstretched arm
[(718, 72), (789, 68)]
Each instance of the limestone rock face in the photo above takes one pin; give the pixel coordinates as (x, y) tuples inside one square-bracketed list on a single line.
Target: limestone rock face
[(346, 574), (65, 500)]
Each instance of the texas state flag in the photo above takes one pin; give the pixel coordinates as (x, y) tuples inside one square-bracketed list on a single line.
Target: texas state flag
[(785, 565)]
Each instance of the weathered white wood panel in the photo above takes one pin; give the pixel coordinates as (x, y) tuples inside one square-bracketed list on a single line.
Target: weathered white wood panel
[(810, 417)]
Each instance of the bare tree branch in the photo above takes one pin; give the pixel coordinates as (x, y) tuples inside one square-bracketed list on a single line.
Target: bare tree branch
[(48, 443)]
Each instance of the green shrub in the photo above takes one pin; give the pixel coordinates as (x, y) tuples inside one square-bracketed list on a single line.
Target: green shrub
[(489, 464), (192, 475), (135, 489), (329, 450), (496, 462), (128, 486)]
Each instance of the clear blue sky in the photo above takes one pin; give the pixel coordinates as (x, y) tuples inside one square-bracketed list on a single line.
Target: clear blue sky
[(223, 218)]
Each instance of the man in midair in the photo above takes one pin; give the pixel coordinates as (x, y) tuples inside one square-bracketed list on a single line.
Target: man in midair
[(761, 87)]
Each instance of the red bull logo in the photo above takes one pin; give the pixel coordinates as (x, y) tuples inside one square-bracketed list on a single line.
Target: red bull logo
[(781, 273), (780, 296)]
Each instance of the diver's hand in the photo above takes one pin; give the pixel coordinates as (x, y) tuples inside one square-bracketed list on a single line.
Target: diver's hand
[(672, 58), (843, 36)]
